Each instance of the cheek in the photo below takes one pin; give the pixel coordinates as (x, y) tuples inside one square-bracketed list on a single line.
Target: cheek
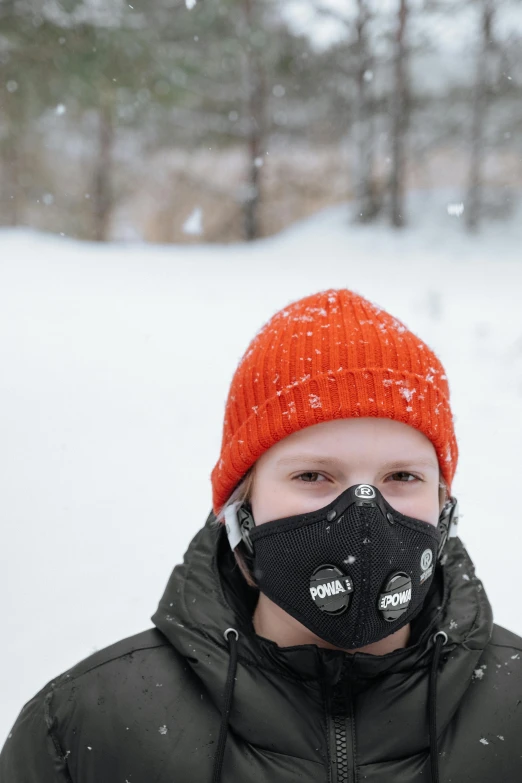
[(264, 504), (425, 508)]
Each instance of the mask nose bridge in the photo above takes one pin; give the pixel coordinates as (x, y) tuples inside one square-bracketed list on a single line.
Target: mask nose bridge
[(362, 496), (371, 514), (380, 512), (367, 517), (369, 506)]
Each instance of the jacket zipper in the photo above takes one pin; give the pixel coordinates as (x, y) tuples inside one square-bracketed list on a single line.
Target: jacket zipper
[(341, 732)]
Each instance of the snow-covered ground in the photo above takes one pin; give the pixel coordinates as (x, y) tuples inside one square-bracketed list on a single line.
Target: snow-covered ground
[(115, 364)]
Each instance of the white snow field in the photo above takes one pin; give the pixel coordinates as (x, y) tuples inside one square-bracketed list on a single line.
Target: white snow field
[(115, 365)]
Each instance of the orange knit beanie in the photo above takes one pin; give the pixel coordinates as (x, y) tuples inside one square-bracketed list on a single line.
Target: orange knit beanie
[(333, 355)]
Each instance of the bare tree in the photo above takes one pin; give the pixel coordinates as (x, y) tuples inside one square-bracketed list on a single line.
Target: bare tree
[(11, 155), (479, 116), (255, 108), (102, 185), (399, 119), (367, 203)]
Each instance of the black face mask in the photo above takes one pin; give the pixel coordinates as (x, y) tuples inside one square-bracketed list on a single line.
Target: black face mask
[(353, 572)]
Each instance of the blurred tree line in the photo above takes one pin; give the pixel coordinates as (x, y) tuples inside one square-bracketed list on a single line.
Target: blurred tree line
[(175, 119)]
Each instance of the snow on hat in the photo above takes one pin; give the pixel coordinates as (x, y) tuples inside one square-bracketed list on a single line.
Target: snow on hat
[(333, 355)]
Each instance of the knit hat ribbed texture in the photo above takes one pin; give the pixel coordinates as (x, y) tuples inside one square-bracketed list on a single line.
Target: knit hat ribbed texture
[(333, 355)]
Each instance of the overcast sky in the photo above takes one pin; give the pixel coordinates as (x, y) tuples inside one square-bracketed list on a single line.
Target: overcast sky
[(453, 31)]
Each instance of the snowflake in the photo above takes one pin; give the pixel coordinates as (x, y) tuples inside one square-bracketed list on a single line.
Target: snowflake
[(315, 401), (455, 210), (407, 393)]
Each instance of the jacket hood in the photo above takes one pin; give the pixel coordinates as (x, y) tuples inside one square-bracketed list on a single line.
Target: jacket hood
[(207, 594)]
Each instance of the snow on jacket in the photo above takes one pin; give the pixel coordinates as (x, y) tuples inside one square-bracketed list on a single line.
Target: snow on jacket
[(149, 709)]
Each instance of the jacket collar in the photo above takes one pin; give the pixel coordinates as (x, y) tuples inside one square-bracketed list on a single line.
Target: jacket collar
[(206, 594)]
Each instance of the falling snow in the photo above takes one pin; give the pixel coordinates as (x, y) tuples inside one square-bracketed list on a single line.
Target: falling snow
[(483, 278), (455, 210)]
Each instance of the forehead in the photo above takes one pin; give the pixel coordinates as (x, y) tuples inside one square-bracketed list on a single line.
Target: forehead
[(371, 440)]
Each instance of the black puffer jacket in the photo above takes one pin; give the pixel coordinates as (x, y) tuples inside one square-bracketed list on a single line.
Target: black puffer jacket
[(149, 709)]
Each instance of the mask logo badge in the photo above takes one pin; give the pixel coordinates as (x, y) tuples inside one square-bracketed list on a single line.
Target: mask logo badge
[(426, 564), (330, 589), (395, 597), (365, 492)]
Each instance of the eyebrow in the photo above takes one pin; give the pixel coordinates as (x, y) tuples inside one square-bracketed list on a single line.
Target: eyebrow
[(317, 459)]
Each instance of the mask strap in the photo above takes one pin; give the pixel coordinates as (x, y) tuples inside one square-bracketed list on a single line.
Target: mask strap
[(447, 524), (238, 523), (232, 525)]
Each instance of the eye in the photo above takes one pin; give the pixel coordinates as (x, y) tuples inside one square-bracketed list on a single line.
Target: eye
[(404, 477), (310, 477)]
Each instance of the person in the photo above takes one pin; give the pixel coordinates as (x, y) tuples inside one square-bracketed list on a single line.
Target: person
[(326, 623)]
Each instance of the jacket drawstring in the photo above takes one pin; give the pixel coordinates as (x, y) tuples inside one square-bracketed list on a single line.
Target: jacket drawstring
[(440, 640), (231, 636)]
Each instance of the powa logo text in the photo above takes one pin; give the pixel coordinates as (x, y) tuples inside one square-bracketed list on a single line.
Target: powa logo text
[(397, 599), (330, 588)]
